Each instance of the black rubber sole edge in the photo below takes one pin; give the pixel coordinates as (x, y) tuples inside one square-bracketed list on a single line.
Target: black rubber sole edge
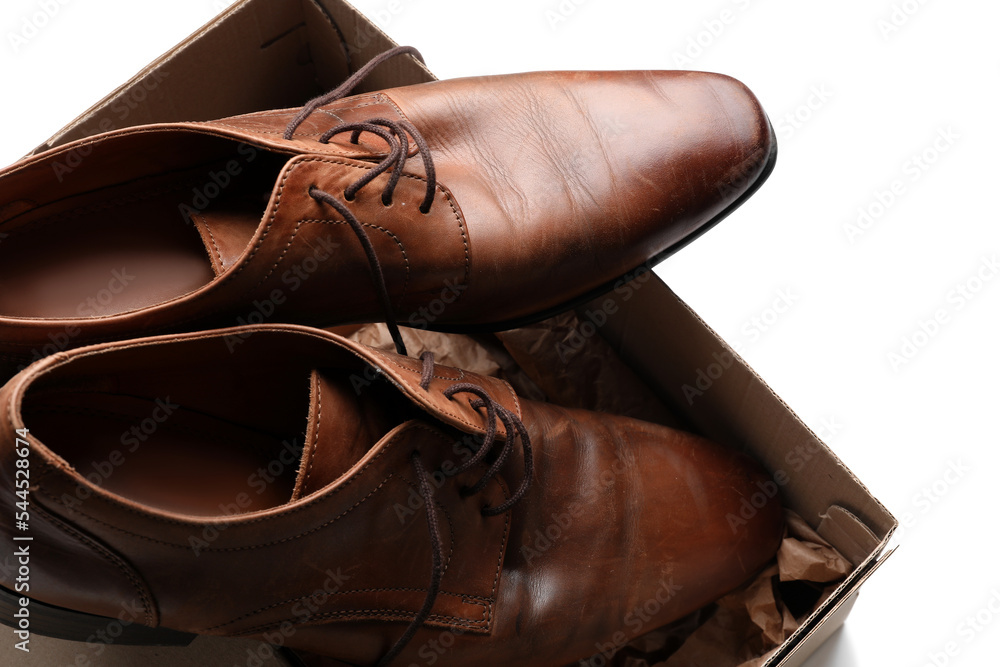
[(50, 621)]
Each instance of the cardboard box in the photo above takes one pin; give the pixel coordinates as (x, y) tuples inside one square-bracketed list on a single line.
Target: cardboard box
[(267, 54)]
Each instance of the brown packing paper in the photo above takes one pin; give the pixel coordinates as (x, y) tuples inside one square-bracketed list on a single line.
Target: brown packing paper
[(555, 361), (577, 368), (449, 350)]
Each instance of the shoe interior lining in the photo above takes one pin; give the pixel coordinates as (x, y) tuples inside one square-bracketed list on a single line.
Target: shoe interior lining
[(197, 430), (138, 238)]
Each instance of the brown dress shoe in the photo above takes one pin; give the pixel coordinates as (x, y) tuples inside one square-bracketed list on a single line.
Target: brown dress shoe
[(472, 203), (322, 495)]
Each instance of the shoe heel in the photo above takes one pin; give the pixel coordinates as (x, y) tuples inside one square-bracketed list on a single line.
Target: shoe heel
[(51, 621)]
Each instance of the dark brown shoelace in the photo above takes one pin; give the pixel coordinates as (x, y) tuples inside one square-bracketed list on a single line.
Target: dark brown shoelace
[(515, 430), (395, 135)]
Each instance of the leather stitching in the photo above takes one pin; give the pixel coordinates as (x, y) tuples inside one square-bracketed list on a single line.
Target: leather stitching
[(513, 395), (381, 615), (279, 517), (247, 547), (315, 442), (503, 549), (277, 207), (133, 578), (298, 225), (207, 336), (237, 270), (389, 360), (473, 599), (286, 112), (465, 239), (451, 203), (97, 412), (487, 612), (81, 211), (211, 236), (402, 250)]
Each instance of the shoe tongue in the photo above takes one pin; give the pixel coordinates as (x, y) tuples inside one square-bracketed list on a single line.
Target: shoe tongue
[(341, 430), (226, 232)]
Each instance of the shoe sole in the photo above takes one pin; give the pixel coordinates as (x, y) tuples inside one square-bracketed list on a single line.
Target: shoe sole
[(48, 620), (51, 621), (628, 276)]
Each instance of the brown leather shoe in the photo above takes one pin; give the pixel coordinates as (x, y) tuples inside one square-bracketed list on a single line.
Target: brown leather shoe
[(326, 496), (472, 203)]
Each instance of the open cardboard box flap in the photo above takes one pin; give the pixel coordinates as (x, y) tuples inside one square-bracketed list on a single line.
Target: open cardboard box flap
[(270, 54), (257, 55)]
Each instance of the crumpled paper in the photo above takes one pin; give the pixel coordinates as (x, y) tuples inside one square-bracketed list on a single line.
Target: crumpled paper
[(449, 349), (556, 361), (576, 368)]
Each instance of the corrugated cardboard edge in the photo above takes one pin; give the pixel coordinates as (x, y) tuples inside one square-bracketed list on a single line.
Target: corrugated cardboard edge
[(831, 615)]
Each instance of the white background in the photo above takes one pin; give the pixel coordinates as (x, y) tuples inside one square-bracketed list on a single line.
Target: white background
[(857, 101)]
